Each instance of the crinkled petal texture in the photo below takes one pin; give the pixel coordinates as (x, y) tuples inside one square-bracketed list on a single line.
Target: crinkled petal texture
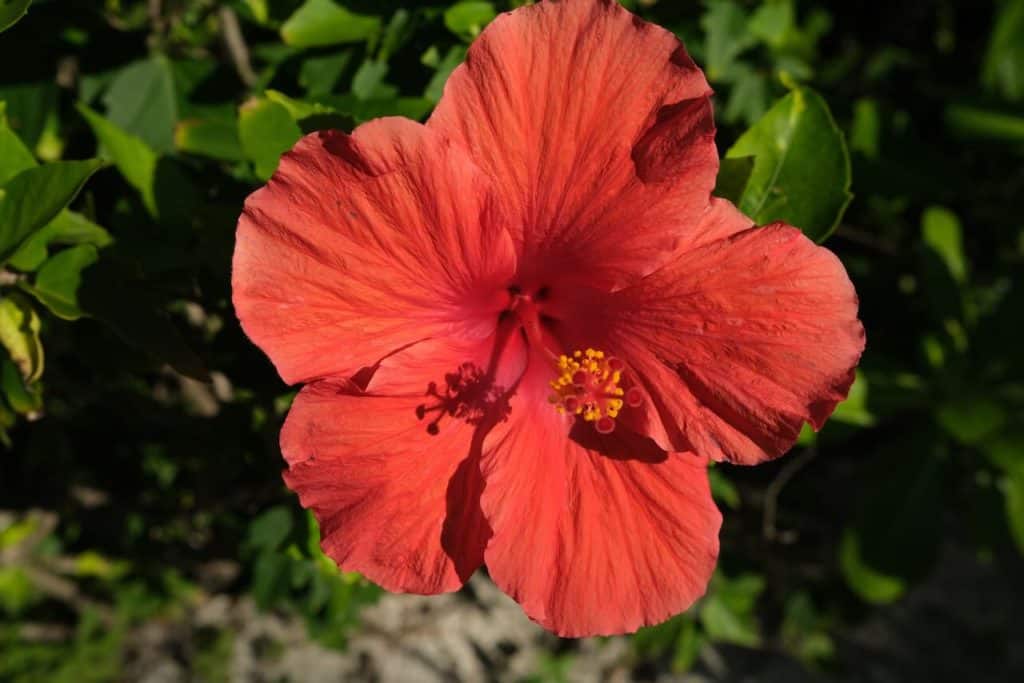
[(598, 128), (362, 244), (741, 341), (395, 501), (593, 534)]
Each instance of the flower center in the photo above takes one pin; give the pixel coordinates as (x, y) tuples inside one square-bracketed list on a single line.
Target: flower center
[(588, 386)]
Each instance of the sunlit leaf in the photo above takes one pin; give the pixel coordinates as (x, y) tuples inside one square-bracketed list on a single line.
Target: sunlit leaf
[(466, 19), (322, 22), (801, 167), (266, 130), (940, 229), (11, 11), (19, 334), (854, 410), (1003, 70), (870, 584), (24, 397)]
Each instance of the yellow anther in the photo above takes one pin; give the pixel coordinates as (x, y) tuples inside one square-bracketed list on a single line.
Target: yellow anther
[(588, 385)]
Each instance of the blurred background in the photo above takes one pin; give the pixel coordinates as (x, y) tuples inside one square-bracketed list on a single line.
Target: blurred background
[(145, 533)]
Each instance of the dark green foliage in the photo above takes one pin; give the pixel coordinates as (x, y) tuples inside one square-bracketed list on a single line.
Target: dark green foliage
[(139, 426)]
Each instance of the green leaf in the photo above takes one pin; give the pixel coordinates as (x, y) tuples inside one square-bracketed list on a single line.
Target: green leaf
[(444, 68), (133, 157), (321, 22), (19, 334), (725, 25), (320, 74), (940, 229), (364, 110), (970, 419), (803, 631), (11, 11), (987, 123), (34, 197), (773, 21), (24, 397), (58, 281), (311, 116), (269, 530), (897, 527), (31, 109), (15, 157), (854, 410), (368, 81), (214, 139), (267, 130), (466, 19), (723, 490), (801, 169), (67, 228), (727, 612), (733, 176), (866, 130), (141, 101), (1013, 492), (75, 283), (870, 584), (1003, 70)]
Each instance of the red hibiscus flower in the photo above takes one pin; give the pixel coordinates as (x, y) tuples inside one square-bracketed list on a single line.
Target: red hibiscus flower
[(526, 326)]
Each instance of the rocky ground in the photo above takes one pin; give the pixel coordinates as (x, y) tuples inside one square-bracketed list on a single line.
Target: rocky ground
[(954, 627)]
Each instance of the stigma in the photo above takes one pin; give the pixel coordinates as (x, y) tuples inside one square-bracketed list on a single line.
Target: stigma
[(588, 385)]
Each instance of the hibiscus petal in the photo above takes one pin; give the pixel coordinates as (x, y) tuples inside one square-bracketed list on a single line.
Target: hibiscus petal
[(393, 502), (598, 128), (362, 244), (595, 534), (397, 499), (740, 342)]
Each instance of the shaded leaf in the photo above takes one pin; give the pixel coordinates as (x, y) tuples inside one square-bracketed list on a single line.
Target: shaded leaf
[(1013, 492), (58, 281), (899, 523), (269, 530), (141, 101), (733, 176), (133, 157), (969, 121), (15, 157), (725, 25), (214, 139), (67, 228), (34, 197)]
